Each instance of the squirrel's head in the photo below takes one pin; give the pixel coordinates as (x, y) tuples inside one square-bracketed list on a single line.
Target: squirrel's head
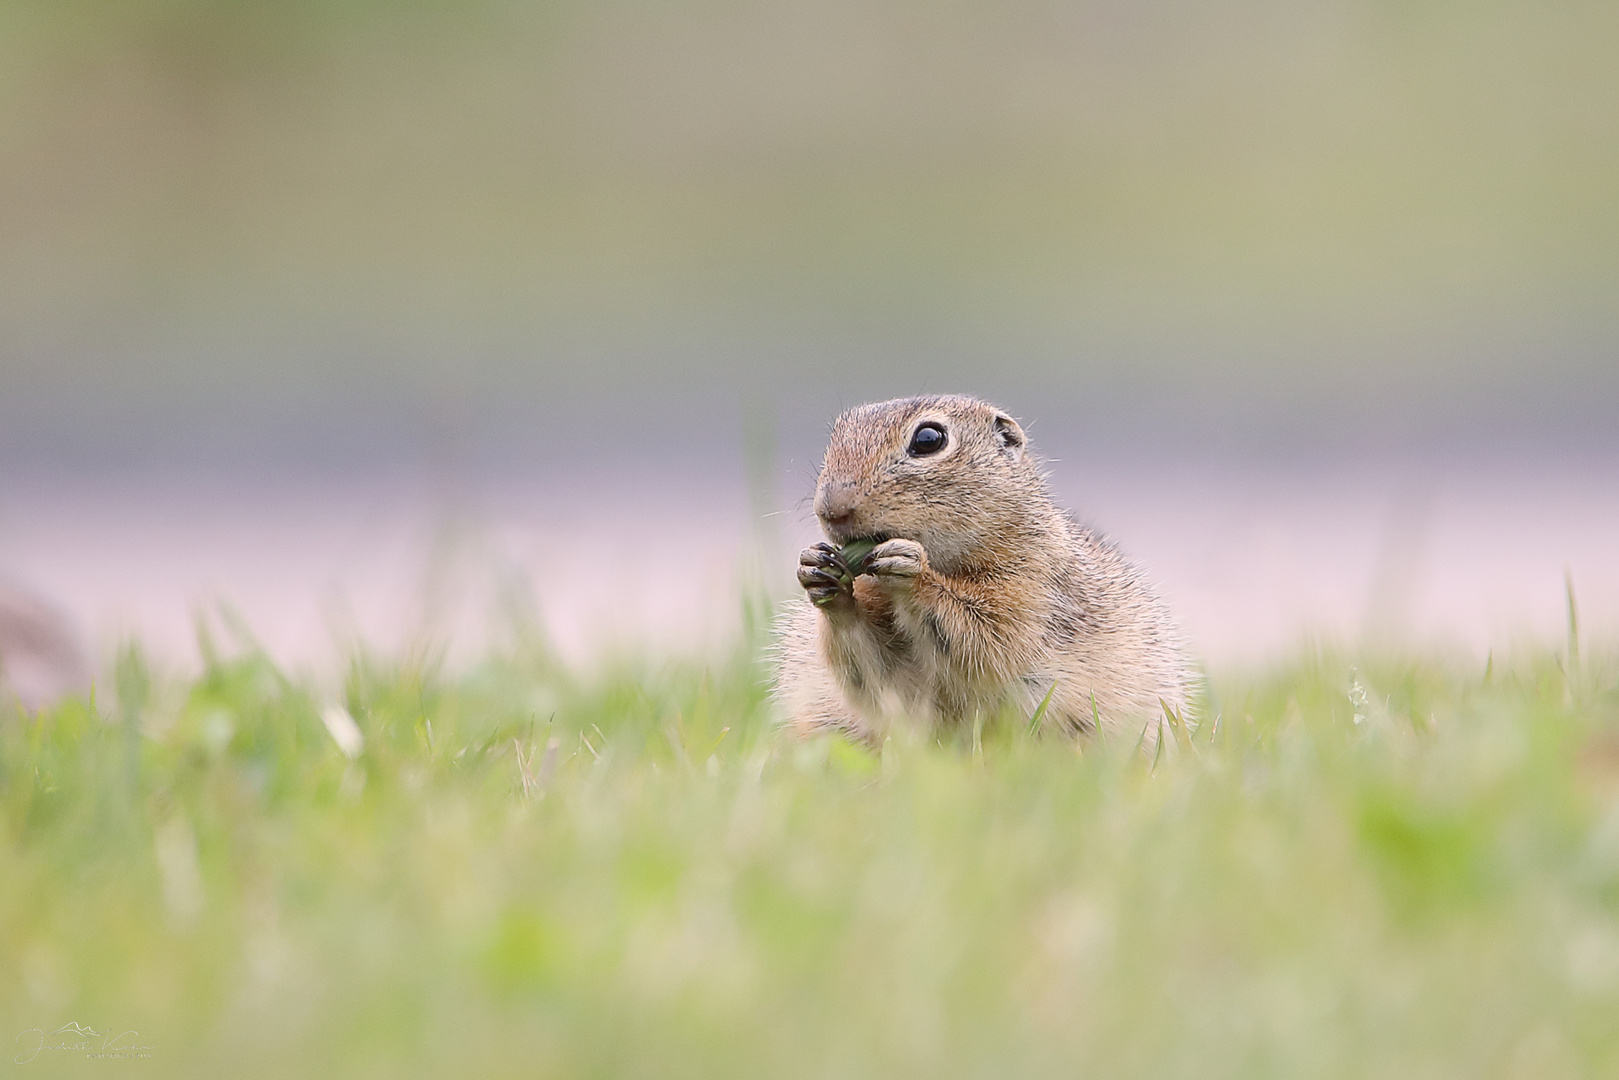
[(948, 472)]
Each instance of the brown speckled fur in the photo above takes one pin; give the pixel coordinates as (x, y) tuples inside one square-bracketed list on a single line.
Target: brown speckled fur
[(981, 595)]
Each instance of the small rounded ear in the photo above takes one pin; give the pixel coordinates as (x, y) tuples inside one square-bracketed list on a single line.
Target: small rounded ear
[(1009, 435)]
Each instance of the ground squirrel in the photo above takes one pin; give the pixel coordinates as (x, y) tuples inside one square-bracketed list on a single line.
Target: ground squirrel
[(979, 593)]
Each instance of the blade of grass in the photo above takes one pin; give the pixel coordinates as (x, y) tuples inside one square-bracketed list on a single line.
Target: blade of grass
[(1045, 703)]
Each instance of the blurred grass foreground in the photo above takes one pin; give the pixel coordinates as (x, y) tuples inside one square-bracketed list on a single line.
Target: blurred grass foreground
[(1398, 869)]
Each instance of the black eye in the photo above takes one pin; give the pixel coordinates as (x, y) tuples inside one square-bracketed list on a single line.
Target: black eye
[(927, 439)]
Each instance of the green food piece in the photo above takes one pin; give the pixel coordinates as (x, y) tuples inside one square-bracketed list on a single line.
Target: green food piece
[(854, 555)]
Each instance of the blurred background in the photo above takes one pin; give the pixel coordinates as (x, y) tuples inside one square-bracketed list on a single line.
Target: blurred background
[(377, 319)]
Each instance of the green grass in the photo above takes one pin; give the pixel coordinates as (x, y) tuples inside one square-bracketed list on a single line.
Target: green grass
[(1408, 868)]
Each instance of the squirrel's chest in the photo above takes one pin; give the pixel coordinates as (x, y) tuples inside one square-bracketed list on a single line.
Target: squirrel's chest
[(895, 662)]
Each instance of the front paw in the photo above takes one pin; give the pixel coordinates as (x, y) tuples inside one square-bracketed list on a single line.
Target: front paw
[(826, 580), (897, 562)]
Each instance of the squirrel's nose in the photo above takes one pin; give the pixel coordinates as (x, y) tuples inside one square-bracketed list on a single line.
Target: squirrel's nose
[(835, 504)]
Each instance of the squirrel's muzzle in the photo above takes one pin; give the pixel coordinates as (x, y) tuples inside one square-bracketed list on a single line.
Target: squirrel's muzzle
[(837, 503)]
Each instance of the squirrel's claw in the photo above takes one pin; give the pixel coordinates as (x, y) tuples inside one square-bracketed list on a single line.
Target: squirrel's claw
[(814, 577), (822, 555), (897, 559), (822, 574)]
